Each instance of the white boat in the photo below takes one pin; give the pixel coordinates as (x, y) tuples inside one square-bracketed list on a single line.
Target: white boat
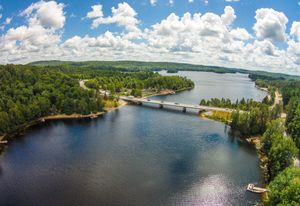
[(3, 142), (253, 188)]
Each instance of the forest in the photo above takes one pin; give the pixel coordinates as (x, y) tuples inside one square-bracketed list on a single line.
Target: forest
[(28, 93), (242, 104), (122, 82), (158, 66), (31, 92)]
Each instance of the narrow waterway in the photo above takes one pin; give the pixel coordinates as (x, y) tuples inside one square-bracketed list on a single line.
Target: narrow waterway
[(136, 156)]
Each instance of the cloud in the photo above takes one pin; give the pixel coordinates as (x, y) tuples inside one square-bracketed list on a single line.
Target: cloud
[(270, 24), (171, 2), (207, 38), (232, 0), (293, 51), (266, 47), (195, 33), (153, 2), (205, 1), (124, 15), (44, 19), (96, 12), (240, 34), (295, 30), (229, 16), (5, 23), (47, 14)]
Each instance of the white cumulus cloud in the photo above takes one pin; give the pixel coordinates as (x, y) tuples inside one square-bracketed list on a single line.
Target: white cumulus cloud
[(295, 30), (208, 38), (40, 35), (96, 12), (229, 16), (124, 15), (153, 2), (270, 24), (48, 14)]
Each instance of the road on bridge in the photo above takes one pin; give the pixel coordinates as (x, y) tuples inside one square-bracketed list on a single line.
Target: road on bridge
[(174, 104)]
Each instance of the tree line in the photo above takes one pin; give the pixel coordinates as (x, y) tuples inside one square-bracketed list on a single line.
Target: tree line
[(243, 104), (117, 82), (30, 92), (251, 117)]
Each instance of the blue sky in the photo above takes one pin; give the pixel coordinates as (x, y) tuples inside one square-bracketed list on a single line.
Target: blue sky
[(252, 34)]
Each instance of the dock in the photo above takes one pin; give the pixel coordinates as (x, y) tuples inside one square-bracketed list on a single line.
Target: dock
[(3, 142), (253, 188)]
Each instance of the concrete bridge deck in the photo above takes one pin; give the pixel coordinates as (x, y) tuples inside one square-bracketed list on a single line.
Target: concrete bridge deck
[(184, 107)]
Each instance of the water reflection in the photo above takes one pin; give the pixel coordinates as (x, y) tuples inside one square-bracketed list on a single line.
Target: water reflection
[(212, 190), (131, 156)]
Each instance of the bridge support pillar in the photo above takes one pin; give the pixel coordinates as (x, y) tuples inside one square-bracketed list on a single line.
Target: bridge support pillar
[(184, 109), (161, 106)]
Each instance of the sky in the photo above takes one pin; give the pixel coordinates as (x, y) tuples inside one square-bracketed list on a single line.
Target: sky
[(249, 34)]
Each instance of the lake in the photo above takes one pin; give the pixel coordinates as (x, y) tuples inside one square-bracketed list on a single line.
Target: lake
[(136, 156)]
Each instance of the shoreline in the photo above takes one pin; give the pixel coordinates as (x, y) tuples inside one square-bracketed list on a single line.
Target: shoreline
[(167, 92), (41, 120), (22, 128), (251, 140), (262, 88)]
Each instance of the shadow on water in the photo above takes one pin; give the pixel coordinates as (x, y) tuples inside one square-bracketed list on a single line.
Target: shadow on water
[(192, 112), (234, 136)]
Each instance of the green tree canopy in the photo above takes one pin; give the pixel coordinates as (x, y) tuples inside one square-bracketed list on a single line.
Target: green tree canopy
[(274, 130), (285, 188), (281, 155)]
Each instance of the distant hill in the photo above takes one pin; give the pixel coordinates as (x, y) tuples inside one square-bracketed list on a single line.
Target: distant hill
[(157, 66)]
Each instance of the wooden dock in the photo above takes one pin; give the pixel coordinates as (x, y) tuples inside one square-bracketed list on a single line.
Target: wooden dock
[(253, 188), (3, 142)]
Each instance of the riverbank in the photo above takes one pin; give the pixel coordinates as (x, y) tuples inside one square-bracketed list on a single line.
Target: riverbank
[(263, 160), (164, 92), (265, 89), (224, 117), (22, 129), (252, 140)]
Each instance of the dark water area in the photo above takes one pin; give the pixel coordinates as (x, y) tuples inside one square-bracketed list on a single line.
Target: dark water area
[(132, 156)]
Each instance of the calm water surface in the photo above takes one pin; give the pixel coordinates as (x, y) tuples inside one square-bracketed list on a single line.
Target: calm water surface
[(212, 85), (136, 156)]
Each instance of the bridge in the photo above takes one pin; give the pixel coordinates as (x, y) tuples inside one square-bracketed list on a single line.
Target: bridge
[(184, 107)]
